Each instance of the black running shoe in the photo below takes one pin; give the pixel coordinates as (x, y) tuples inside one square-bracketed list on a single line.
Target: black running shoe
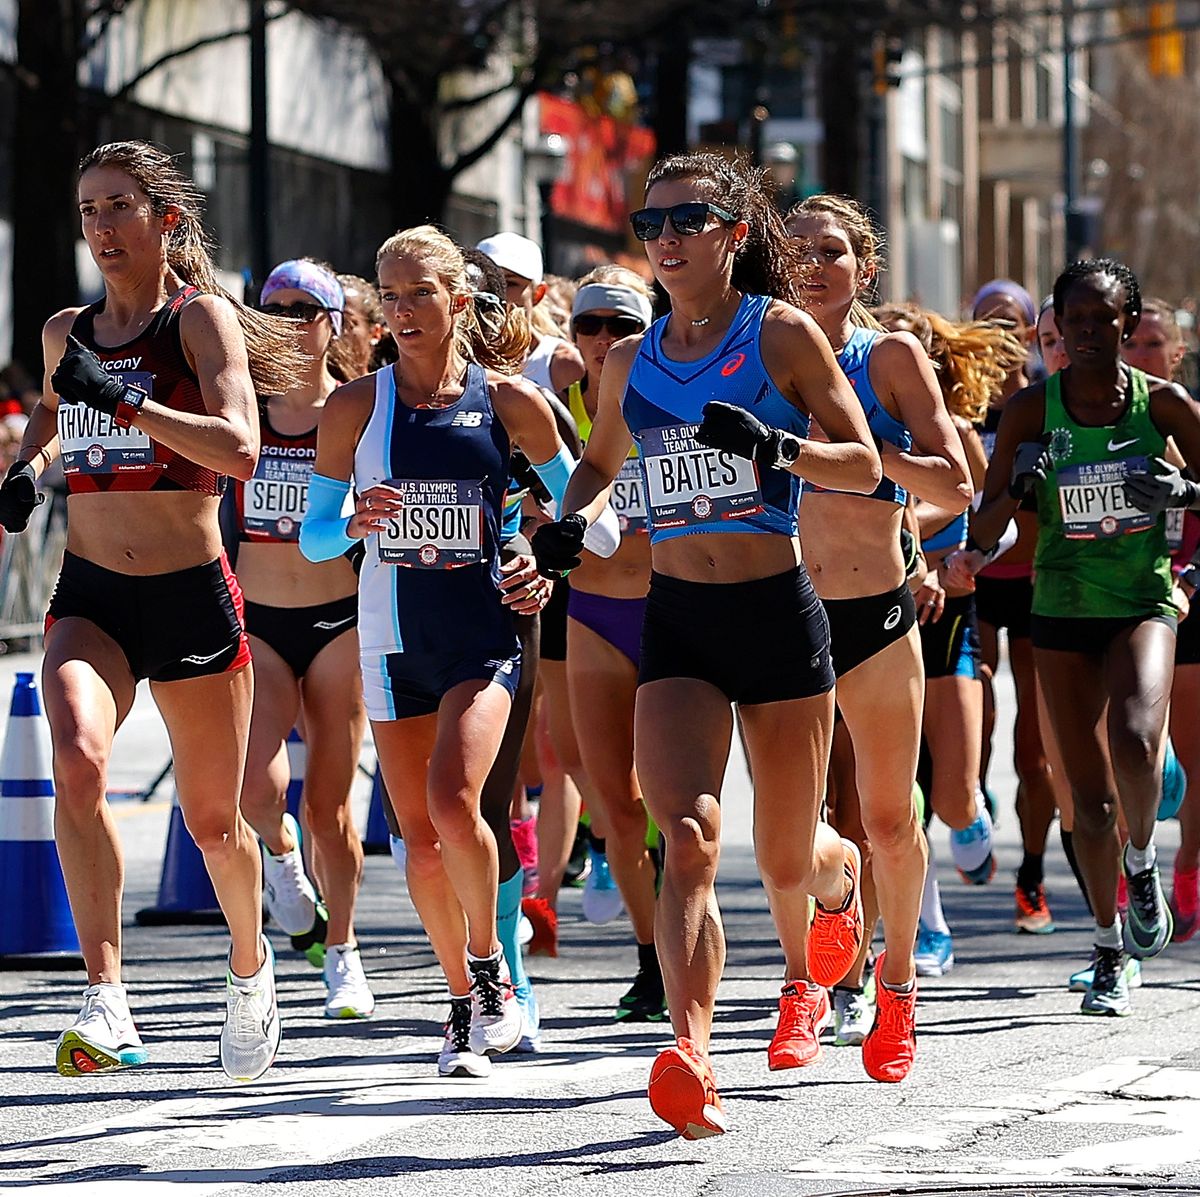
[(1108, 993), (645, 1001), (1149, 925), (579, 863)]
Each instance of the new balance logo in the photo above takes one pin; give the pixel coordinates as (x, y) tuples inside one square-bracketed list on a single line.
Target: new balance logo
[(467, 419)]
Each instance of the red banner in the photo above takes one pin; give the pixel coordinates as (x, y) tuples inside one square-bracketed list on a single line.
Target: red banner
[(604, 157)]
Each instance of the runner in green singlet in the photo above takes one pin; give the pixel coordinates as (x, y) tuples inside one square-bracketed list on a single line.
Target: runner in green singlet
[(1089, 442)]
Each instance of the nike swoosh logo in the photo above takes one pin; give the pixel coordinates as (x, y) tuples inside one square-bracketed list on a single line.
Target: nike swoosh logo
[(327, 625), (196, 659), (1113, 447)]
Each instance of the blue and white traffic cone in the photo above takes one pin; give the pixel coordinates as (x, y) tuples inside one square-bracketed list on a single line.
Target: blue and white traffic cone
[(36, 929), (376, 840), (297, 759), (185, 892)]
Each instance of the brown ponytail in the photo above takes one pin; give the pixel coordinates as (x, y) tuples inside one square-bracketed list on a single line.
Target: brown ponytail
[(275, 360)]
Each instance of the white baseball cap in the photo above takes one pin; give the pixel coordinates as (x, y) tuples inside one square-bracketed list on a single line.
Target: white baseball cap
[(516, 254)]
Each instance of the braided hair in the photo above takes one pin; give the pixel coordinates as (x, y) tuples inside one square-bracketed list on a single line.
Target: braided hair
[(768, 261), (1092, 268)]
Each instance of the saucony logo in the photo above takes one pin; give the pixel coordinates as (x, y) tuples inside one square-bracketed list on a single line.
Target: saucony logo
[(327, 625), (196, 659)]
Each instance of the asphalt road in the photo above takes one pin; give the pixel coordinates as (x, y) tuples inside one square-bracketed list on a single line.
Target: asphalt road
[(1011, 1083)]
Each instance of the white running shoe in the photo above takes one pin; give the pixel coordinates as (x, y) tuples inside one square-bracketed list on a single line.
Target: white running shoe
[(496, 1019), (853, 1015), (531, 1019), (456, 1057), (601, 898), (250, 1036), (349, 994), (103, 1037), (289, 895), (524, 931)]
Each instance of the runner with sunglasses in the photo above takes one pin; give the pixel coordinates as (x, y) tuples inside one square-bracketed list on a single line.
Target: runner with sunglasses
[(301, 619), (426, 445), (731, 615), (607, 607), (149, 397), (853, 543), (1086, 442)]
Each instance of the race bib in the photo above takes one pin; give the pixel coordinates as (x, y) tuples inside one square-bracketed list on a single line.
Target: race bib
[(1092, 500), (92, 444), (1174, 528), (275, 499), (440, 525), (688, 484), (628, 497)]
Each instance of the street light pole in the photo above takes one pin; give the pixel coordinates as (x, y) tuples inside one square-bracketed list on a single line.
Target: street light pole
[(1072, 216), (260, 146)]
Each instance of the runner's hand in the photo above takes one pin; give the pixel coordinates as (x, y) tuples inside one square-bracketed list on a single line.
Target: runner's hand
[(1032, 464), (930, 599), (1155, 493), (960, 567), (558, 547), (80, 378), (372, 510), (18, 497), (735, 430), (522, 589)]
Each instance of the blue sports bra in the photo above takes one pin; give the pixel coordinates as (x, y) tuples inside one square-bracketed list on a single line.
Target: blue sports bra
[(691, 489)]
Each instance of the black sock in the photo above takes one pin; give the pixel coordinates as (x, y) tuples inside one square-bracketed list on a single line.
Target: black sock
[(1030, 874), (1069, 851), (648, 958)]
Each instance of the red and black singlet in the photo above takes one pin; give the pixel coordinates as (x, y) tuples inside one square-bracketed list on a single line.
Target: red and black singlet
[(271, 505), (97, 455)]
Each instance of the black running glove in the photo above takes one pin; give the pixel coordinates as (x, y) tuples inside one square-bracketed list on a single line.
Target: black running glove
[(1032, 464), (558, 547), (80, 378), (1155, 493), (735, 430), (18, 497)]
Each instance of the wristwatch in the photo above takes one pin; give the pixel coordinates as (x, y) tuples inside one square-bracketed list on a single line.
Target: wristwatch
[(1188, 574), (787, 452), (129, 406)]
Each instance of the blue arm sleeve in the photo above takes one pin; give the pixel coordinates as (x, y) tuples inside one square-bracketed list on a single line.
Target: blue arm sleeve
[(555, 473), (323, 531)]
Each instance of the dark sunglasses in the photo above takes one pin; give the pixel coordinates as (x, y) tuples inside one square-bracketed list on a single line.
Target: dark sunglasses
[(589, 325), (686, 219), (306, 313)]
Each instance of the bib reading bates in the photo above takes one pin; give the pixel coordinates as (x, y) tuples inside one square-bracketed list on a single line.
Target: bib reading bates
[(688, 484)]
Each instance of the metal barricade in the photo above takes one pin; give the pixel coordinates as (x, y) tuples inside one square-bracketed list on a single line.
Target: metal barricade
[(29, 566)]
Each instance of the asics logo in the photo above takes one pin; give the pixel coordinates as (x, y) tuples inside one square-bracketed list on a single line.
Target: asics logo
[(892, 618), (733, 365), (196, 659), (1113, 446), (467, 419), (327, 625)]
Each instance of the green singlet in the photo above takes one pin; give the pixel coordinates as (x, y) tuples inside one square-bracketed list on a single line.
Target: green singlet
[(1099, 557)]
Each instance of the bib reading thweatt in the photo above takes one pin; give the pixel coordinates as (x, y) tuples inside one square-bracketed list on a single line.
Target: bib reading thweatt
[(689, 484), (276, 497), (1092, 499), (440, 525), (92, 444)]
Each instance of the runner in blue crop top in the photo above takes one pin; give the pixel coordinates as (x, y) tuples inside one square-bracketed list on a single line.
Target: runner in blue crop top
[(852, 544), (719, 396)]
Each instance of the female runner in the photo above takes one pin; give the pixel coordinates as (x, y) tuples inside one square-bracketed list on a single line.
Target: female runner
[(1085, 440), (852, 542), (301, 619), (426, 444), (731, 614), (149, 397)]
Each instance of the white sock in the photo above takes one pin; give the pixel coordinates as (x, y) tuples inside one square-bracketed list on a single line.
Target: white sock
[(399, 852), (1109, 937), (1138, 860), (933, 918)]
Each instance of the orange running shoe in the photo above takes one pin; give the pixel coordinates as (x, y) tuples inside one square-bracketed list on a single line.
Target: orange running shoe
[(544, 920), (891, 1043), (683, 1093), (836, 935), (803, 1014), (1033, 915)]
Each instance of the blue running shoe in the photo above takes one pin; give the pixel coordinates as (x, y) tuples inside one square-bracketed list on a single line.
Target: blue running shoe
[(531, 1018), (934, 954), (601, 898), (1174, 785), (971, 849), (1081, 981)]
